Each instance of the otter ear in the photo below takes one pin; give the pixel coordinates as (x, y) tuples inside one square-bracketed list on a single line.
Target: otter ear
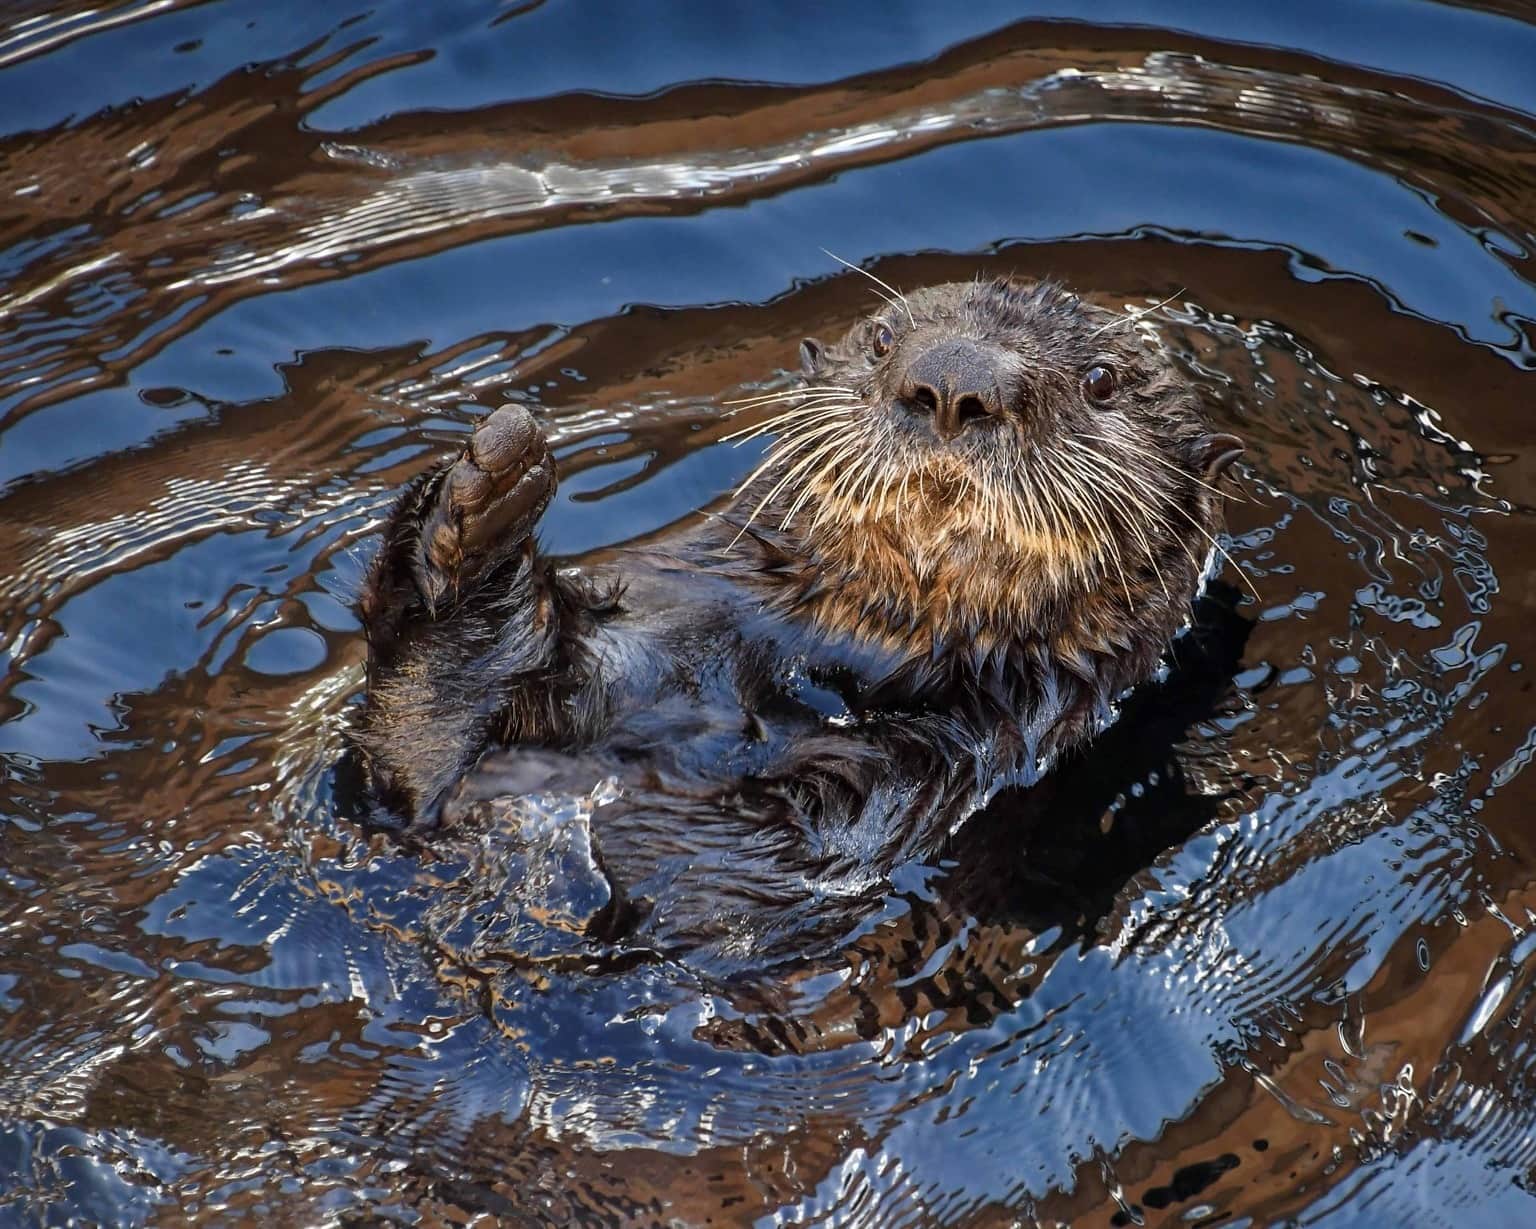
[(1214, 454), (812, 355)]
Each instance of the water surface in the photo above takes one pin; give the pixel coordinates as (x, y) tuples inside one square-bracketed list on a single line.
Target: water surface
[(1262, 957)]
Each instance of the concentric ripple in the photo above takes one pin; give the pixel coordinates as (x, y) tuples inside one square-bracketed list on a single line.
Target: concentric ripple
[(1261, 956)]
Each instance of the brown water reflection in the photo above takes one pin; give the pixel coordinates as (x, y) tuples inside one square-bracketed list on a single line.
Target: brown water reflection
[(230, 194), (1264, 957)]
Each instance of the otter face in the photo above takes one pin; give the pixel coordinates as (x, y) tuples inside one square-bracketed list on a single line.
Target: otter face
[(1002, 452)]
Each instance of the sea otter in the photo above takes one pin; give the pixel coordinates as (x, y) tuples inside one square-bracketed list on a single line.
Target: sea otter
[(983, 518)]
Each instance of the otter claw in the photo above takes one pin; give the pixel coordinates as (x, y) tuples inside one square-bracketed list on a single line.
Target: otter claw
[(486, 505)]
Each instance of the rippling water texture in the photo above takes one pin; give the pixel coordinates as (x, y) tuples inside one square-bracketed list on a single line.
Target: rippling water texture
[(1266, 955)]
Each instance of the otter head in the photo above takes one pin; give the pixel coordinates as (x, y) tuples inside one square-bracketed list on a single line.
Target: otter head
[(996, 461)]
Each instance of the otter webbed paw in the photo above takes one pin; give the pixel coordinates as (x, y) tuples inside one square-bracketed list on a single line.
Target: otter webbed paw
[(484, 506)]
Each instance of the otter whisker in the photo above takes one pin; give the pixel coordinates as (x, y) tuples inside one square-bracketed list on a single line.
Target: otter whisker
[(816, 455), (1140, 450), (782, 449), (802, 396), (1049, 526), (1169, 502), (833, 454), (1112, 491), (866, 487), (836, 456), (802, 390), (1163, 496), (812, 429), (995, 513), (907, 306), (857, 476), (1209, 537), (792, 443), (788, 415), (1121, 498), (1134, 315), (849, 477), (1052, 530), (890, 300), (786, 426), (787, 406), (1075, 500), (780, 454), (814, 411), (1146, 509), (868, 475), (1027, 523), (886, 486), (1036, 509), (877, 494), (1101, 479), (774, 409), (751, 517), (785, 449), (1090, 503)]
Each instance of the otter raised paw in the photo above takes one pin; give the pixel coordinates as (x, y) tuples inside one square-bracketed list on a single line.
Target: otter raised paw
[(453, 598), (484, 506)]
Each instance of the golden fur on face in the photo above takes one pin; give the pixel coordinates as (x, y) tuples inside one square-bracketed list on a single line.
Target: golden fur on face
[(946, 551), (1055, 509)]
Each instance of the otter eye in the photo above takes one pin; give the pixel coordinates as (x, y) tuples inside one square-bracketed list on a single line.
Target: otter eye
[(882, 341), (1099, 383)]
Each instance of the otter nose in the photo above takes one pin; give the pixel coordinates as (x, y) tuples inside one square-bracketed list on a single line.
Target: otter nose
[(957, 382)]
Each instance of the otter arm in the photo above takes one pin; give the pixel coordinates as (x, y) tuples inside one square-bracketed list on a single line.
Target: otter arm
[(456, 603)]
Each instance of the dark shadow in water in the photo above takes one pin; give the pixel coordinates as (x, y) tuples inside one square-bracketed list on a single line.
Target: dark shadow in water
[(1058, 854)]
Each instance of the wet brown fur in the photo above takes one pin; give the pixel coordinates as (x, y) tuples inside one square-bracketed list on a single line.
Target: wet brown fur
[(902, 610)]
